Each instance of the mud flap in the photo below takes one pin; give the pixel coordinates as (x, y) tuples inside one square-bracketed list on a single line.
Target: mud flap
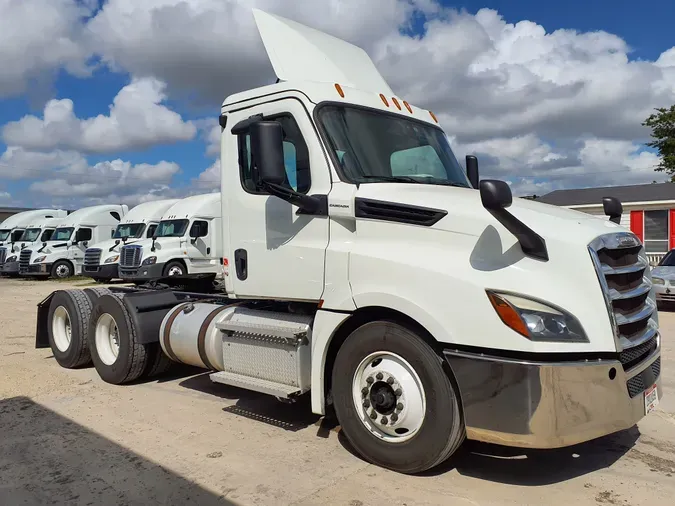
[(41, 334)]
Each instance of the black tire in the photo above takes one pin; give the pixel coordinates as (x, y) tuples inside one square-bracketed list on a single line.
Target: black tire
[(62, 269), (442, 430), (78, 308), (132, 358), (95, 292), (158, 362), (172, 265)]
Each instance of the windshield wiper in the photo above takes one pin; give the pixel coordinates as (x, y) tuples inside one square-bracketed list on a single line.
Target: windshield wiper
[(400, 179)]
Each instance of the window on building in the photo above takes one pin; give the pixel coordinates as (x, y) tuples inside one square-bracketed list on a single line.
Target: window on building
[(656, 231)]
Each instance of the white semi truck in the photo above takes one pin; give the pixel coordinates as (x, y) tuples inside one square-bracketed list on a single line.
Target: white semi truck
[(12, 230), (63, 254), (186, 243), (102, 259), (33, 236), (365, 269)]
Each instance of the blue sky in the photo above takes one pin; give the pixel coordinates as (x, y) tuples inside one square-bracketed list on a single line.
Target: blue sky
[(547, 145)]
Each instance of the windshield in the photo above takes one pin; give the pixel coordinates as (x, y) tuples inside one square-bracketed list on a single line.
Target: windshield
[(62, 234), (373, 147), (4, 234), (129, 230), (172, 228), (30, 234), (668, 260)]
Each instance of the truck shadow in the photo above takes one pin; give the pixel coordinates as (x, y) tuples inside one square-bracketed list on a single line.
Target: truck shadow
[(533, 468), (46, 458)]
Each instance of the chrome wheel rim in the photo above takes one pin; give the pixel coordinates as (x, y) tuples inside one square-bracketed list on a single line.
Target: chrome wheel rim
[(175, 271), (389, 397), (62, 271)]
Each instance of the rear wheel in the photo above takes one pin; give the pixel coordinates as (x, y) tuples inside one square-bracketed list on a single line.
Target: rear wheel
[(68, 328), (117, 355), (395, 402)]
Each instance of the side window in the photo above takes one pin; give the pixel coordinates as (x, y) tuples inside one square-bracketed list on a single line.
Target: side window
[(420, 160), (84, 234), (46, 235), (296, 159), (151, 231), (199, 229)]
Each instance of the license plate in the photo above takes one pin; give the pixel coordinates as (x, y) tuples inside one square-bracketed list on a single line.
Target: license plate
[(651, 399)]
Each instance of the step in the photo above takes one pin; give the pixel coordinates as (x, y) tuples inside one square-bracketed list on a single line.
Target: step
[(255, 384)]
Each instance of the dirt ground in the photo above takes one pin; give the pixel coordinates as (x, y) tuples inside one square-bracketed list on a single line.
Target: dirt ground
[(66, 437)]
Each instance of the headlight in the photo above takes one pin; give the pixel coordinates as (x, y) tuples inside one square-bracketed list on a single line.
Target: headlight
[(656, 281), (11, 259), (536, 320), (111, 260), (39, 259), (149, 261)]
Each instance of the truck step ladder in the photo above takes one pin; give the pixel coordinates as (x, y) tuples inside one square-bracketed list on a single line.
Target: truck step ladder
[(255, 384)]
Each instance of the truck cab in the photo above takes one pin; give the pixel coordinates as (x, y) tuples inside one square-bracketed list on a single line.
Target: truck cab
[(12, 231), (187, 242), (62, 255), (33, 236), (102, 259), (364, 267)]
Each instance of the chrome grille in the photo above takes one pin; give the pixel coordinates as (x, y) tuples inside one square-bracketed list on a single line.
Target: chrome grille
[(3, 255), (130, 256), (92, 256), (24, 260), (623, 271)]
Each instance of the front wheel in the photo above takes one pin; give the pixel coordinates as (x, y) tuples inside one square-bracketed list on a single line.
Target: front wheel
[(62, 270), (174, 269), (393, 399)]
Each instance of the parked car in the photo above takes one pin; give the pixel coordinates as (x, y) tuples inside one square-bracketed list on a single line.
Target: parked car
[(663, 277)]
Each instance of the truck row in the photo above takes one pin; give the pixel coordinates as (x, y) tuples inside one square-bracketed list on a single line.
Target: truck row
[(153, 240), (364, 268)]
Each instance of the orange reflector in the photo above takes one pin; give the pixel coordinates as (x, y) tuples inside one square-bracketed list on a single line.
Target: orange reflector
[(407, 106), (320, 303), (384, 99), (508, 315), (339, 90), (393, 99), (433, 116)]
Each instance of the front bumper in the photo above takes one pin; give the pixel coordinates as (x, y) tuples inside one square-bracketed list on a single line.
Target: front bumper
[(665, 293), (550, 405), (153, 271), (10, 268), (104, 271), (44, 269)]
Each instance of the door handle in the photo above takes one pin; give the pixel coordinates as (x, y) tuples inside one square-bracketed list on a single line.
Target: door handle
[(241, 263)]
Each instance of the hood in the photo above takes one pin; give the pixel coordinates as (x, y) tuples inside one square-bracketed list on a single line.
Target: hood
[(664, 272), (467, 216), (105, 246)]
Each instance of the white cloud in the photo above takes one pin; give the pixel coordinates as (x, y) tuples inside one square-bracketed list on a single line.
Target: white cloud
[(38, 37), (5, 196), (210, 178), (136, 120)]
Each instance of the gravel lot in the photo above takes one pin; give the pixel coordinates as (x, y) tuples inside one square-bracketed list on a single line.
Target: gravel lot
[(67, 437)]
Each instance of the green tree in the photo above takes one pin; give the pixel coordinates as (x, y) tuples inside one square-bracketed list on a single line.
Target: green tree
[(662, 124)]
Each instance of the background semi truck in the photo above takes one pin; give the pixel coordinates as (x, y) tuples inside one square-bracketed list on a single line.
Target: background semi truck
[(13, 228), (62, 256), (365, 269), (33, 236), (186, 243), (102, 259)]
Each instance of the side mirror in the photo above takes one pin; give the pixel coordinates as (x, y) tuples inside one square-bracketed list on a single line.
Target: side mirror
[(197, 232), (472, 170), (495, 194), (267, 151), (613, 208)]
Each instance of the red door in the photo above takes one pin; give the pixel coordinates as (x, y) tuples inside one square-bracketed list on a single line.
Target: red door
[(637, 224)]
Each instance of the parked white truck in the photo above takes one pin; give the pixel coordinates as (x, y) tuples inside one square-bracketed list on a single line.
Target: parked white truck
[(63, 254), (186, 243), (33, 236), (12, 230), (102, 259), (364, 268)]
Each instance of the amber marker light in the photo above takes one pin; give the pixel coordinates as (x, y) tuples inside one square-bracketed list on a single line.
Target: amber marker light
[(384, 99), (393, 99), (508, 314), (433, 116), (339, 90), (407, 106)]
